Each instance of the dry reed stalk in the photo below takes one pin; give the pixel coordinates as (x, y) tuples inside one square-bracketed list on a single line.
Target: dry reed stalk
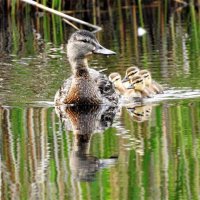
[(97, 28)]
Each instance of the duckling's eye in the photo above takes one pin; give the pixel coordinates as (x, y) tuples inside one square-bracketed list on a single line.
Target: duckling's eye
[(138, 81), (116, 80)]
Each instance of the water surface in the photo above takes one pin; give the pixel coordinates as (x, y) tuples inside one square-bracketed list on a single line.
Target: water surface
[(143, 152)]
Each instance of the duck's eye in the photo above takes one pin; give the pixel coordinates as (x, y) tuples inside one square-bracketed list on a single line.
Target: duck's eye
[(107, 89), (84, 40)]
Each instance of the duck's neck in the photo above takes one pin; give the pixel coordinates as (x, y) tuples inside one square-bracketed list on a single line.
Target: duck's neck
[(79, 67)]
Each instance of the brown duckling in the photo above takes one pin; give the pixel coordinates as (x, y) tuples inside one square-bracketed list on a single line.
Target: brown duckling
[(152, 85), (130, 72), (138, 84), (115, 78)]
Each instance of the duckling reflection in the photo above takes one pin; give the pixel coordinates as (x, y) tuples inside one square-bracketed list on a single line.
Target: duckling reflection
[(140, 113), (84, 122)]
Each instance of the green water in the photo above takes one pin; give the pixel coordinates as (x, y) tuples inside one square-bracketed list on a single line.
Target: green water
[(151, 157)]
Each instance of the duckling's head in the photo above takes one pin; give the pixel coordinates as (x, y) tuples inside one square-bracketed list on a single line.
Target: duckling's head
[(115, 78), (130, 72), (147, 77), (83, 43), (137, 83)]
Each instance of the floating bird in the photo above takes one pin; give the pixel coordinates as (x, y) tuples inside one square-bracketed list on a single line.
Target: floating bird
[(130, 72), (152, 85), (120, 88), (138, 84), (86, 86)]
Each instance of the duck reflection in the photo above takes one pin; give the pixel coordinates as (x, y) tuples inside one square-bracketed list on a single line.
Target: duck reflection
[(84, 121), (140, 113)]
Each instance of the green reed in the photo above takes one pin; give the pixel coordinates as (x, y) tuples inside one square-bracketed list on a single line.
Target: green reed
[(56, 4), (195, 28), (15, 35), (44, 2)]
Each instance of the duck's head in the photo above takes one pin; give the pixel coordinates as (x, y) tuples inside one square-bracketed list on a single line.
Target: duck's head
[(83, 43), (137, 83), (130, 72), (115, 78), (146, 76)]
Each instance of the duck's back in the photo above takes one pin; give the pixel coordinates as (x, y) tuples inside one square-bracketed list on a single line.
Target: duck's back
[(95, 89)]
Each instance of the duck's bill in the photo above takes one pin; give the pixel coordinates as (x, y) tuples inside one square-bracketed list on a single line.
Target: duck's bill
[(125, 79), (130, 87), (102, 50)]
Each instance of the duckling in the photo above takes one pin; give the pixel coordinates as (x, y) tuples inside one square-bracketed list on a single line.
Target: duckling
[(84, 87), (130, 72), (138, 84), (115, 78), (152, 85), (146, 76)]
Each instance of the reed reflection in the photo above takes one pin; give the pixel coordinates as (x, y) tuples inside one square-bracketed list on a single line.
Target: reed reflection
[(42, 160), (25, 154), (84, 121)]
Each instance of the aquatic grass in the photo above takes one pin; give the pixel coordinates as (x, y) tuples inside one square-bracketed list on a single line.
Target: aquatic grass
[(195, 38), (13, 7), (15, 35), (46, 27), (144, 38), (57, 30), (57, 4), (44, 2)]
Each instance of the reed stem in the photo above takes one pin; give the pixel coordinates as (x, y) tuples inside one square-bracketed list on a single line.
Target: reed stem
[(31, 2)]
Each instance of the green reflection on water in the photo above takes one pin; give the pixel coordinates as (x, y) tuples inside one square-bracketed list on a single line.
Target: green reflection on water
[(162, 160)]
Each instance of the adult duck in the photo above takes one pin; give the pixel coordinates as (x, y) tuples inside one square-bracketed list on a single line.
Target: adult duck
[(86, 86)]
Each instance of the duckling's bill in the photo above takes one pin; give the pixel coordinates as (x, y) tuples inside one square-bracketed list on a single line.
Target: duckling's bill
[(125, 79), (131, 86)]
